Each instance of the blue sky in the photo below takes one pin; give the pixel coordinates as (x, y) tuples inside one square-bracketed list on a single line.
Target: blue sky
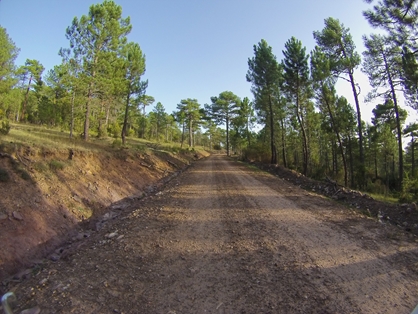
[(194, 49)]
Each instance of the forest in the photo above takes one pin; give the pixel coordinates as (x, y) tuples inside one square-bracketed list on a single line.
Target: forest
[(302, 123)]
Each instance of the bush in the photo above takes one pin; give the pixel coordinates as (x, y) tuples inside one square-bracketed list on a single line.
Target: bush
[(117, 143), (258, 152), (23, 174), (102, 132), (217, 147), (56, 165), (114, 130), (5, 127), (409, 190), (4, 175), (20, 170), (141, 148), (175, 149), (41, 166)]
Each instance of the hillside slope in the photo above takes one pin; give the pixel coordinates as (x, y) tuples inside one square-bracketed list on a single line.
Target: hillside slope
[(49, 195)]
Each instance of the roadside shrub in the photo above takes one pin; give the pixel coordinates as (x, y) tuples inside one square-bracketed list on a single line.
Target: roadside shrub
[(5, 127), (258, 152), (20, 170), (41, 166), (117, 143), (23, 174), (4, 175), (114, 130), (175, 149), (409, 190), (56, 165), (141, 148), (217, 147), (102, 132)]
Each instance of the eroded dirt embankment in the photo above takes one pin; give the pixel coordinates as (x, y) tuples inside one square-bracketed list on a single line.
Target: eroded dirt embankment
[(222, 238), (46, 194)]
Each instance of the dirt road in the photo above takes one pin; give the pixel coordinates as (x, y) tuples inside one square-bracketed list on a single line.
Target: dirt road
[(223, 238)]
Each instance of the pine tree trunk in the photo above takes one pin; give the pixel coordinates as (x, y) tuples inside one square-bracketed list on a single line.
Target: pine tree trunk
[(26, 100), (182, 135), (360, 132), (72, 115), (272, 145), (359, 125), (283, 143), (350, 148), (89, 96), (107, 114), (337, 168), (398, 123), (413, 155), (337, 133), (125, 119), (143, 123), (190, 133), (87, 117), (386, 172), (304, 139), (248, 132), (227, 136)]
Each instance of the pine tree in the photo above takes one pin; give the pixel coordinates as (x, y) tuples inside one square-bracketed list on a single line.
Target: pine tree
[(245, 119), (33, 70), (297, 87), (93, 39), (134, 68), (265, 74), (327, 99), (385, 125), (8, 55), (412, 131), (190, 114), (383, 66), (160, 115), (224, 109), (398, 18), (337, 44), (144, 101)]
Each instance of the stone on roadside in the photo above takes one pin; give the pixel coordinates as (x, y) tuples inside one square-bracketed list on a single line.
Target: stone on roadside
[(17, 216), (112, 235), (54, 257)]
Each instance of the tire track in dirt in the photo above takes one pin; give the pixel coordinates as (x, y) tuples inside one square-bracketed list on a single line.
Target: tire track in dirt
[(225, 239), (358, 280)]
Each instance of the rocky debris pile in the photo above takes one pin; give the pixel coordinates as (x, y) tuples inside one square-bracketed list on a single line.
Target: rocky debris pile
[(402, 215)]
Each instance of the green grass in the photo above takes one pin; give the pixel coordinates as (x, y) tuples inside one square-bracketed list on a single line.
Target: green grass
[(141, 148), (384, 198), (41, 167), (117, 143), (54, 139), (56, 165)]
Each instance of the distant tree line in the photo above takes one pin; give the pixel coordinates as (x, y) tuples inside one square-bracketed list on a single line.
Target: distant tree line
[(303, 124)]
